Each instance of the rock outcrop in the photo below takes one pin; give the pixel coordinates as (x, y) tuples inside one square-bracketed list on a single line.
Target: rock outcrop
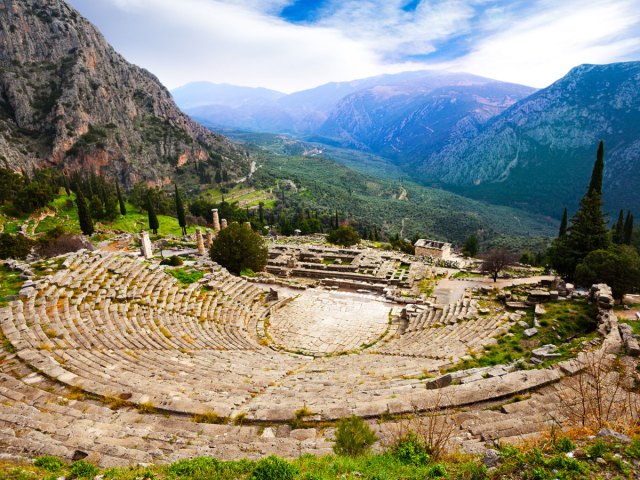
[(68, 99)]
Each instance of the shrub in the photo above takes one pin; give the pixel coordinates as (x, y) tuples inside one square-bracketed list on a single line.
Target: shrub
[(200, 466), (410, 450), (598, 449), (237, 248), (353, 436), (345, 236), (172, 261), (14, 246), (437, 471), (564, 445), (49, 463), (82, 469), (633, 450), (274, 468)]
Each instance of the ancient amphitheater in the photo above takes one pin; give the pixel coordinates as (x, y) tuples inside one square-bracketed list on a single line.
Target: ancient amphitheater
[(107, 356)]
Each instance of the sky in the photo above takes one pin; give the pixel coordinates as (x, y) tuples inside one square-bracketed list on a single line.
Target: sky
[(291, 45)]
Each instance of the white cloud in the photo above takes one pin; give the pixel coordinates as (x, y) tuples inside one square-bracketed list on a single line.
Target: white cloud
[(541, 48), (244, 42)]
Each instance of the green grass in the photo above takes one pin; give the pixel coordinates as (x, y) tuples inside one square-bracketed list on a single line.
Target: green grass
[(546, 459), (565, 324), (184, 275), (10, 283), (462, 274)]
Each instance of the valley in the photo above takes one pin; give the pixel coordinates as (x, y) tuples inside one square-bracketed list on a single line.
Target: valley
[(391, 271)]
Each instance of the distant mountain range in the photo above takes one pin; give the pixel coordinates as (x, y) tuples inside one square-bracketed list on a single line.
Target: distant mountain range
[(68, 99), (491, 140)]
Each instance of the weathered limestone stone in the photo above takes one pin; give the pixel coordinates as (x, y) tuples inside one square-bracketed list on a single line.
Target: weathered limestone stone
[(145, 242), (301, 434), (546, 352), (223, 223), (630, 343), (440, 382), (216, 221), (530, 332), (200, 241), (209, 238), (539, 310)]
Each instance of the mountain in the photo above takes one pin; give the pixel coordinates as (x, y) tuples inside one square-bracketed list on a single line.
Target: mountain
[(418, 116), (67, 99), (538, 154), (326, 111), (198, 94)]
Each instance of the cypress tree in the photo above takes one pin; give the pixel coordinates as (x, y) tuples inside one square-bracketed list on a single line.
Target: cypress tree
[(182, 219), (153, 219), (123, 209), (588, 230), (563, 224), (628, 229), (86, 222), (598, 168), (618, 229)]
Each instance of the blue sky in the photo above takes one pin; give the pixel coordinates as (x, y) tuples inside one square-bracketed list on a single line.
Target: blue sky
[(290, 45)]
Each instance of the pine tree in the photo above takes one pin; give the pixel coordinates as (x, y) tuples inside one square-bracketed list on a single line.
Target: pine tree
[(471, 246), (618, 229), (86, 222), (153, 219), (123, 208), (182, 219), (563, 224), (598, 168), (588, 230), (628, 229)]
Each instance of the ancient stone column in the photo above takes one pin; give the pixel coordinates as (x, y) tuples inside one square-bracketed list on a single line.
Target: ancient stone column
[(200, 241), (145, 247), (209, 238), (223, 223), (216, 220)]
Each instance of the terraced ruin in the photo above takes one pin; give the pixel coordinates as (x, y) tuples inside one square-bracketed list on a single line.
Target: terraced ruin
[(108, 356)]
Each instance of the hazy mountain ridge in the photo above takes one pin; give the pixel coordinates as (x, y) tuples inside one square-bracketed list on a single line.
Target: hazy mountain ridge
[(324, 111), (68, 99), (539, 152)]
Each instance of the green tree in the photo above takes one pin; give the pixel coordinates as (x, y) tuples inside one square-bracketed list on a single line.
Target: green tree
[(123, 208), (237, 248), (154, 225), (84, 216), (617, 266), (345, 236), (182, 218), (628, 229), (618, 229), (598, 168), (563, 224), (588, 230), (471, 246)]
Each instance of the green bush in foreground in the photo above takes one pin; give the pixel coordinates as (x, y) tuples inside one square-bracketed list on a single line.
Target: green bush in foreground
[(353, 437), (49, 463), (410, 450), (82, 469), (274, 468)]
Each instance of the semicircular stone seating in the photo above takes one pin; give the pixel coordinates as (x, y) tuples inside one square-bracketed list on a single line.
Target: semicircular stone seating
[(116, 327)]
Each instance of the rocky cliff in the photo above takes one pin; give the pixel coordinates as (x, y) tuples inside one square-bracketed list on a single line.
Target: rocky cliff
[(68, 99), (539, 153)]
